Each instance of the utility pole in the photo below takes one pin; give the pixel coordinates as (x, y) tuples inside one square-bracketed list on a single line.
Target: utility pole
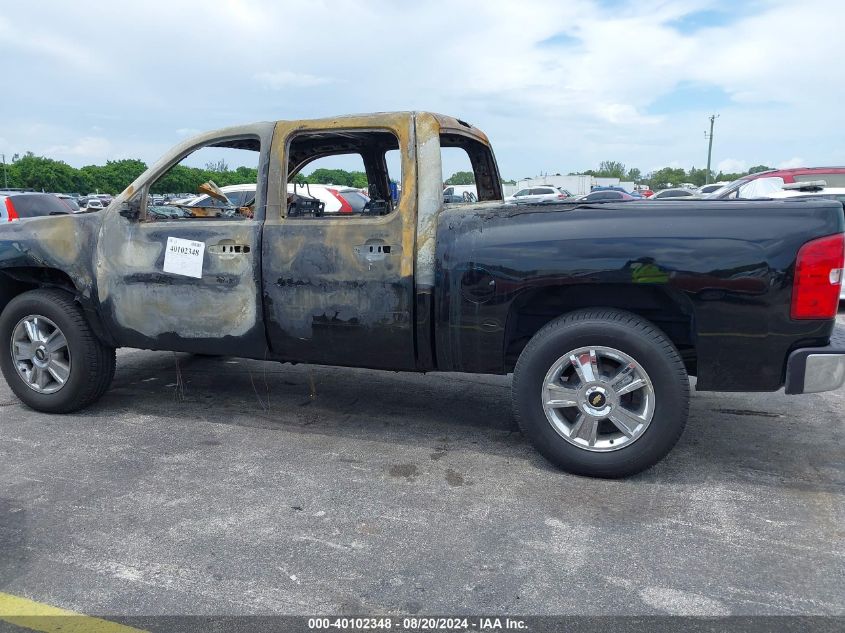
[(713, 118), (5, 177)]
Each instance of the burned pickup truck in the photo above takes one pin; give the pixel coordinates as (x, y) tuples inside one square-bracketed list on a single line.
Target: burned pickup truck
[(601, 310)]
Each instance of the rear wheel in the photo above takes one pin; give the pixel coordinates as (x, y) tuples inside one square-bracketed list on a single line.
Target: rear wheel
[(50, 357), (601, 393)]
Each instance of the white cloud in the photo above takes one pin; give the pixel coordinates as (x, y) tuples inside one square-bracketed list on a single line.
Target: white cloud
[(148, 80), (93, 146), (732, 166), (792, 162), (287, 79), (76, 53)]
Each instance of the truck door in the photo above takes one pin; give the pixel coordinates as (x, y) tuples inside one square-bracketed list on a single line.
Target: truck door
[(338, 283), (185, 275)]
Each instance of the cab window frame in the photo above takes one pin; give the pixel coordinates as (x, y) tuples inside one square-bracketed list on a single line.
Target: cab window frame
[(263, 152), (289, 172)]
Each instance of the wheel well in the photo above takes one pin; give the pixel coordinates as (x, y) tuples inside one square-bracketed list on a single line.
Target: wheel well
[(669, 311), (15, 281)]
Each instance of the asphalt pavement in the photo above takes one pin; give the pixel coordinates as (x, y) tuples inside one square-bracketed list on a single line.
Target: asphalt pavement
[(224, 486)]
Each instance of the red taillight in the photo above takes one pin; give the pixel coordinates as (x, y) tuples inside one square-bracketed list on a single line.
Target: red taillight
[(818, 278), (10, 210), (345, 207), (561, 196)]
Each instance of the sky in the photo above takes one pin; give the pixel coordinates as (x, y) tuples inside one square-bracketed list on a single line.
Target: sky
[(558, 85)]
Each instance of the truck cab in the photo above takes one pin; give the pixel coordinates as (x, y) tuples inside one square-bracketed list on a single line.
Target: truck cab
[(282, 281)]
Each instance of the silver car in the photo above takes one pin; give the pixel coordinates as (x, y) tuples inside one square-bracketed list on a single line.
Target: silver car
[(537, 195), (677, 192)]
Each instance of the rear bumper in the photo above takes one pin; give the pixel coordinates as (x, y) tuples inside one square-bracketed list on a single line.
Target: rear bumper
[(817, 369)]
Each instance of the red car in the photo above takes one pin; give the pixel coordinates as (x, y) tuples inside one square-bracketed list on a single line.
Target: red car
[(19, 205), (763, 183)]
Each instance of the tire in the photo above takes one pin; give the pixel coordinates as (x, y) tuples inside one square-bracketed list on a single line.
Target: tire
[(90, 364), (653, 415)]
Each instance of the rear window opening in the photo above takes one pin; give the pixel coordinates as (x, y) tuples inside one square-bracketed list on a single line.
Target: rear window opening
[(469, 170)]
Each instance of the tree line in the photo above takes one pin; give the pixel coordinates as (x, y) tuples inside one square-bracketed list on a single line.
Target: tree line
[(658, 179), (46, 174), (668, 176)]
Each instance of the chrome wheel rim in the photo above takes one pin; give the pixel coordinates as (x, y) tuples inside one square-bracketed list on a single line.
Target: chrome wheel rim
[(40, 354), (598, 398)]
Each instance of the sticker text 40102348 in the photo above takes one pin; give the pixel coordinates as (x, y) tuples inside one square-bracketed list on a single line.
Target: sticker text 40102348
[(184, 257)]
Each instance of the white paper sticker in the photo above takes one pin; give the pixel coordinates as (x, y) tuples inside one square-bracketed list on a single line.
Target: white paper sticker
[(184, 257)]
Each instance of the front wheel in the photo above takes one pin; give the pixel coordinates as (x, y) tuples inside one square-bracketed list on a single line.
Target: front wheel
[(49, 356), (601, 393)]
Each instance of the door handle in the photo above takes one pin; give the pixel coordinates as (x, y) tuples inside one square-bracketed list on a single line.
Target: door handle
[(374, 250), (228, 249)]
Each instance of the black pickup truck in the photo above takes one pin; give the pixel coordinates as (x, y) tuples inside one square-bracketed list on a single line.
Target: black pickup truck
[(600, 310)]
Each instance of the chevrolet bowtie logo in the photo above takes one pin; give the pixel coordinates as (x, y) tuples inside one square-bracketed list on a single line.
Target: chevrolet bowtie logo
[(596, 399)]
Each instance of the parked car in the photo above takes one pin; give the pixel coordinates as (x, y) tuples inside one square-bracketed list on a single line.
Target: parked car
[(710, 188), (544, 194), (19, 205), (69, 201), (467, 197), (764, 183), (337, 199), (676, 192), (812, 189), (601, 312), (606, 195), (633, 194), (238, 196), (94, 204), (460, 194)]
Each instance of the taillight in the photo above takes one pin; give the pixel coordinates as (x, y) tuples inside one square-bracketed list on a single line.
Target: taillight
[(818, 278), (10, 210), (345, 207), (560, 196)]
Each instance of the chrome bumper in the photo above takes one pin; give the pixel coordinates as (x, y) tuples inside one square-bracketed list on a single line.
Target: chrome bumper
[(817, 369)]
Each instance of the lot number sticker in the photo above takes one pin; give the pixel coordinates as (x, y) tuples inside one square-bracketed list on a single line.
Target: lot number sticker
[(184, 257)]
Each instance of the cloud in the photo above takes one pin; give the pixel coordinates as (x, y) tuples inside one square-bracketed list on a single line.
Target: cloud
[(87, 146), (732, 166), (792, 162), (287, 79), (586, 82), (76, 53)]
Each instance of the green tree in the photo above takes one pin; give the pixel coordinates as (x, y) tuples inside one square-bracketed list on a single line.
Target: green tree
[(697, 176), (666, 177), (634, 175), (758, 168), (116, 175), (219, 166), (43, 174), (610, 169), (461, 178)]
